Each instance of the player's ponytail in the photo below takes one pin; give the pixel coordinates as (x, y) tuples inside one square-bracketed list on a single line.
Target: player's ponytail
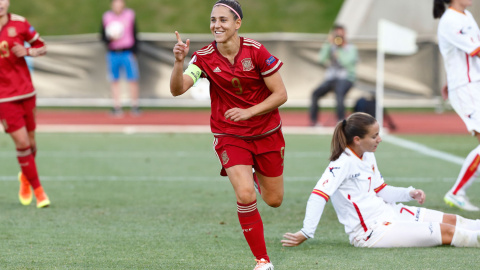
[(439, 7), (339, 141), (356, 124)]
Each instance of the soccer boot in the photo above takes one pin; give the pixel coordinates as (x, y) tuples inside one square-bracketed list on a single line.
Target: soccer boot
[(25, 193), (263, 264), (460, 201), (42, 198)]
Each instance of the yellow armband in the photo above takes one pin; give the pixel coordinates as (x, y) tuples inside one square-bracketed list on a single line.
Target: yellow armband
[(194, 72)]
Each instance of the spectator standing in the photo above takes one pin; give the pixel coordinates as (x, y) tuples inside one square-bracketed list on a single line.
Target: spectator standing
[(119, 32)]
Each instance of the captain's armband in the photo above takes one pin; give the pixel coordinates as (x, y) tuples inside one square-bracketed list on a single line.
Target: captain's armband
[(194, 72)]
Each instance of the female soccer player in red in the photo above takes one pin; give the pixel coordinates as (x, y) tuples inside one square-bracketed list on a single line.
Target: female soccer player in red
[(17, 98), (246, 90)]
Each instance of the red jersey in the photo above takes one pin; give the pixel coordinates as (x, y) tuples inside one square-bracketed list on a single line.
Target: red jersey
[(240, 85), (15, 81)]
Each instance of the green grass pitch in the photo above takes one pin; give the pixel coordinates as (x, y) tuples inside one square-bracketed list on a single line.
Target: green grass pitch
[(156, 201)]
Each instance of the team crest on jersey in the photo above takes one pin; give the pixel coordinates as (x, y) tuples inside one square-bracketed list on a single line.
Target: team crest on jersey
[(12, 32), (247, 64), (225, 158), (373, 168)]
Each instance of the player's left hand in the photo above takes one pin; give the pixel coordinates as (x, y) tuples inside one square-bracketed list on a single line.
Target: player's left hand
[(293, 239), (237, 114), (19, 50), (418, 195)]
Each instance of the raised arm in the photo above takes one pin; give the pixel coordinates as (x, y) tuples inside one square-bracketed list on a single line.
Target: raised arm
[(179, 82)]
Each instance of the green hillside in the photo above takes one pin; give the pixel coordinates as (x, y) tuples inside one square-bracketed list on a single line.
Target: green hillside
[(64, 17)]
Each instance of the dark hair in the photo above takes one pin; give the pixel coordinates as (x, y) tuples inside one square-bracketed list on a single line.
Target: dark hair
[(356, 124), (234, 4), (336, 27), (439, 7)]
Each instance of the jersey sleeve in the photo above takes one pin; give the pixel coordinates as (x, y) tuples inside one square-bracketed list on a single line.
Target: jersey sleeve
[(267, 63), (463, 38), (29, 33), (332, 178), (392, 194), (313, 213)]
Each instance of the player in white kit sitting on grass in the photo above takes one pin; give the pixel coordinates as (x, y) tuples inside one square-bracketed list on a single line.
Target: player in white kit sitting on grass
[(368, 207)]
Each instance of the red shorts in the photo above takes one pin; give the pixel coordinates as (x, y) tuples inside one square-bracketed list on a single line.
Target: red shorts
[(17, 114), (265, 154)]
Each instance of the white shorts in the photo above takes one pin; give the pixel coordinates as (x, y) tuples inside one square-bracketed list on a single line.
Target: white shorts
[(411, 227), (465, 101)]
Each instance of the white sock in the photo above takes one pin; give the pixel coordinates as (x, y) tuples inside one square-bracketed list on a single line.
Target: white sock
[(467, 176), (468, 224), (465, 238)]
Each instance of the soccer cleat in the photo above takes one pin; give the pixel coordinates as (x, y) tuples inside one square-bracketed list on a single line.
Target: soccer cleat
[(263, 264), (460, 201), (256, 184), (25, 194), (42, 198)]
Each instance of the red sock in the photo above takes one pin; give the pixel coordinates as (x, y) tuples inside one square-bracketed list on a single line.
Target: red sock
[(28, 166), (252, 227)]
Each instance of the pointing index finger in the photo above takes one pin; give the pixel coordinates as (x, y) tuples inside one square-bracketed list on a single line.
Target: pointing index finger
[(179, 40)]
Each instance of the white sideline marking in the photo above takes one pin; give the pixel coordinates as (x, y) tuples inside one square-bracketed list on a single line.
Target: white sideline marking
[(107, 178), (133, 129), (423, 149)]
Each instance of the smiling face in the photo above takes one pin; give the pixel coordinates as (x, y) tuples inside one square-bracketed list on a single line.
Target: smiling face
[(4, 4), (369, 142), (223, 25)]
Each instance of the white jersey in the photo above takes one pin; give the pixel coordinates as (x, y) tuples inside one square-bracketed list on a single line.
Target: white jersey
[(459, 42), (352, 184)]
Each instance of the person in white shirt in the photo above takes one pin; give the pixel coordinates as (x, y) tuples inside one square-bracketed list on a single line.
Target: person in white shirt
[(368, 207), (459, 44)]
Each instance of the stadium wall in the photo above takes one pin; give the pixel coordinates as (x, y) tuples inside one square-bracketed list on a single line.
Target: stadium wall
[(73, 73)]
